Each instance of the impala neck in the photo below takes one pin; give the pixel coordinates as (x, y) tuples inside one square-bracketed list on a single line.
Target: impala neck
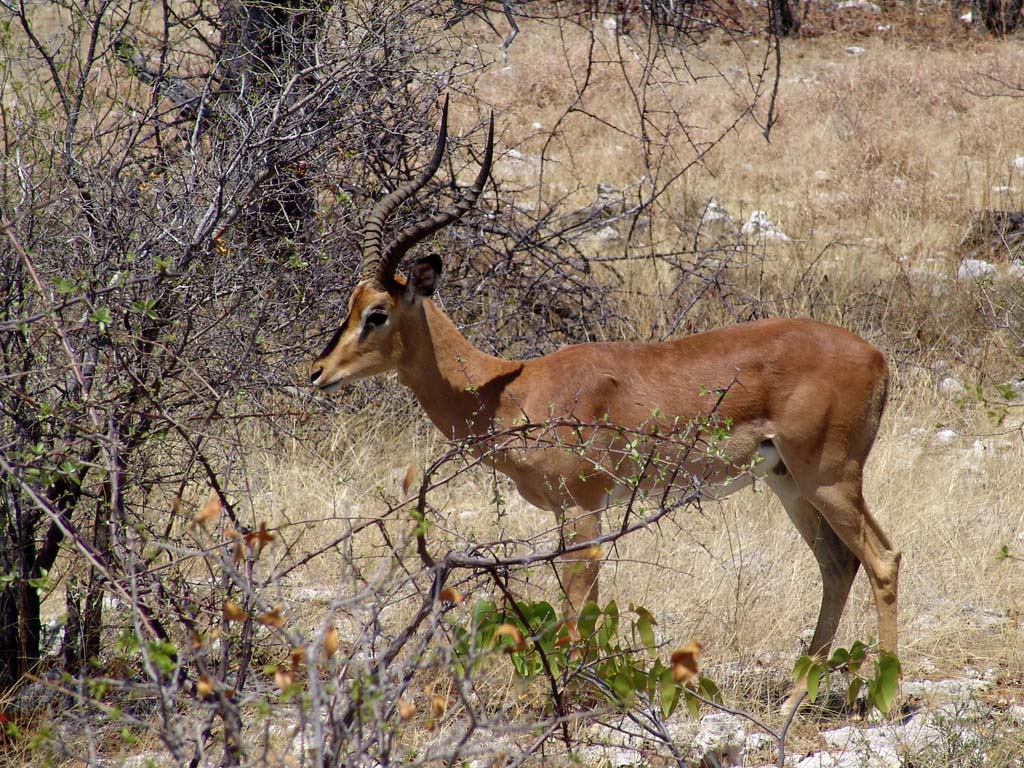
[(460, 387)]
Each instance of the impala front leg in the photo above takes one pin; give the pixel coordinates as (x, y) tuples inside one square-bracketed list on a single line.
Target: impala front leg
[(580, 567)]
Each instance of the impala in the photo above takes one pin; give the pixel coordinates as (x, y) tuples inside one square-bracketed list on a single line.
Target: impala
[(799, 403)]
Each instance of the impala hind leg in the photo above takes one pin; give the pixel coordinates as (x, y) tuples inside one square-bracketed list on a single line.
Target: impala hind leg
[(842, 505), (579, 572), (837, 564)]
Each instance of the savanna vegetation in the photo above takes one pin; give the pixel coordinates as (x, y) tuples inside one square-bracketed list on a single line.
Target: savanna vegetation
[(203, 562)]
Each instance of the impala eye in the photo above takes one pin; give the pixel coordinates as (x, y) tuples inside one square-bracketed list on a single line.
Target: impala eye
[(375, 319)]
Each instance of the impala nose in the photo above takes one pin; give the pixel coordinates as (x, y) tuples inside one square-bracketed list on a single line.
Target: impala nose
[(314, 373)]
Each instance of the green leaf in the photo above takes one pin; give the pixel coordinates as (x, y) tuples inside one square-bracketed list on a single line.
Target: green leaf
[(65, 285), (102, 317), (646, 631), (588, 620), (482, 611), (145, 307), (858, 651), (840, 657), (801, 667), (520, 665), (854, 690), (611, 613), (692, 703), (668, 692), (814, 675), (887, 677), (622, 685), (709, 690), (163, 654)]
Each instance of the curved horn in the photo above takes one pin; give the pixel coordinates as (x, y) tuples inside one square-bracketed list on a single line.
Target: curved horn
[(424, 228), (374, 266)]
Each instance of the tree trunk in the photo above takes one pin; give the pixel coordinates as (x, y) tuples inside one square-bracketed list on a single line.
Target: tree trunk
[(264, 44), (998, 17), (784, 20), (19, 601)]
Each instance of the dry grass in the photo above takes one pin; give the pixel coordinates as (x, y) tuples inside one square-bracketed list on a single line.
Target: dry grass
[(873, 169)]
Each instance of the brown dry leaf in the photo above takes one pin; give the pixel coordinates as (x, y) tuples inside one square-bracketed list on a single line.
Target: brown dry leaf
[(331, 641), (272, 618), (438, 705), (451, 595), (684, 662), (405, 709), (210, 510), (410, 475), (298, 658), (283, 679), (204, 687), (233, 611), (257, 540), (513, 633)]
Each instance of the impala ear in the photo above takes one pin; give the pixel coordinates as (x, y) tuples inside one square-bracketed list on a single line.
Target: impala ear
[(424, 275)]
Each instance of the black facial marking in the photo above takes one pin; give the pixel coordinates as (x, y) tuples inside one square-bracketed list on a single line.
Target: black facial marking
[(335, 339)]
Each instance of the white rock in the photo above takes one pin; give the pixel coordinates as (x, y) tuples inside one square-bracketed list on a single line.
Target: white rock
[(977, 616), (934, 282), (943, 690), (611, 749), (1016, 269), (144, 759), (853, 50), (857, 5), (967, 18), (883, 745), (1003, 189), (971, 270), (760, 740), (951, 387), (974, 457), (715, 213), (720, 740), (621, 757), (819, 760), (606, 234), (759, 225), (610, 24), (537, 126), (1018, 162), (945, 436)]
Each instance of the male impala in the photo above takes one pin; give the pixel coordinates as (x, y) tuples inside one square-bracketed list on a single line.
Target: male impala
[(800, 402)]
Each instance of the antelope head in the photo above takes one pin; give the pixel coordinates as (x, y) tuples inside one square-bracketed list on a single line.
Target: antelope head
[(368, 341)]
